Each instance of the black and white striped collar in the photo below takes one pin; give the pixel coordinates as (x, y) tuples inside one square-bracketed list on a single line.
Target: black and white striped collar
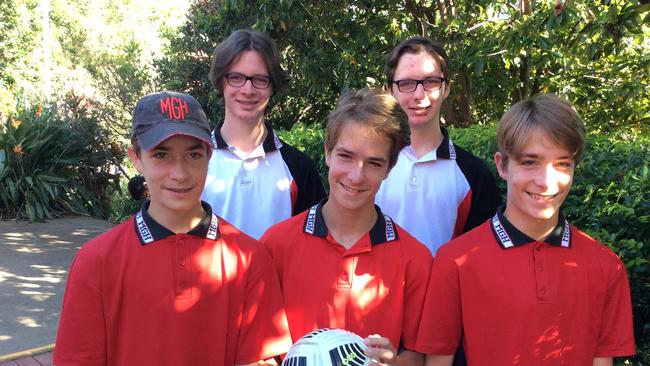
[(271, 141), (446, 150), (383, 231), (508, 236), (150, 231)]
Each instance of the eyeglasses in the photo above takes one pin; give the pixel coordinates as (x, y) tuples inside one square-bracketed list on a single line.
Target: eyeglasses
[(238, 80), (409, 85)]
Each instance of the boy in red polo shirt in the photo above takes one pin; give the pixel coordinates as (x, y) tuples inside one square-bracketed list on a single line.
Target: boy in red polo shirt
[(174, 285), (527, 288), (343, 263)]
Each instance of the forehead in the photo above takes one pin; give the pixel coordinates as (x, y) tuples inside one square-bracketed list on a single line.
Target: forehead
[(249, 62), (416, 65), (357, 138), (180, 141), (541, 143)]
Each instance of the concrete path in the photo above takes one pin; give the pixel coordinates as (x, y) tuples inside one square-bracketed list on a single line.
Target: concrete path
[(34, 260)]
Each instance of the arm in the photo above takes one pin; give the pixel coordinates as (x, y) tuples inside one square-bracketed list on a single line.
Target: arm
[(437, 360), (410, 358), (81, 338), (603, 361), (264, 332)]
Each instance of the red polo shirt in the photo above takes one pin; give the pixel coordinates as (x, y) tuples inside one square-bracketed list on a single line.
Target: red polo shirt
[(141, 295), (517, 301), (375, 287)]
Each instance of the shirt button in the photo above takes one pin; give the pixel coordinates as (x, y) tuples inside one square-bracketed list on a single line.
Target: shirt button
[(182, 262), (182, 285), (540, 268), (539, 248), (543, 291), (180, 242)]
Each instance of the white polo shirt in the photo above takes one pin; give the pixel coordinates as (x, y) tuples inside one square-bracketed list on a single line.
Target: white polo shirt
[(256, 190), (439, 196)]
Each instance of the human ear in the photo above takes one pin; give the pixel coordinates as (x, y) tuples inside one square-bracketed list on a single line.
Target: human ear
[(135, 159), (500, 161), (327, 155)]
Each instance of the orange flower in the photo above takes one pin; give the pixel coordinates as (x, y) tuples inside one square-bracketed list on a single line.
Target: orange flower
[(15, 123), (39, 111), (18, 149)]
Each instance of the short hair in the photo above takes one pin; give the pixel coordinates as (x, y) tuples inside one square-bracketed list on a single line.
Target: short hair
[(553, 116), (227, 52), (375, 109), (416, 45)]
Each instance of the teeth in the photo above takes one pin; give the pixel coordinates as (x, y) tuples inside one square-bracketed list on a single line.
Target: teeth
[(351, 189), (542, 196)]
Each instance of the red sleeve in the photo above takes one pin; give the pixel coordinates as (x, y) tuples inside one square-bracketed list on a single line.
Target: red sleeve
[(417, 278), (441, 326), (264, 330), (81, 339), (616, 336)]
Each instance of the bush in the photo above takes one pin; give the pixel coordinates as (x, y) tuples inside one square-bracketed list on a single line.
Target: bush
[(56, 162)]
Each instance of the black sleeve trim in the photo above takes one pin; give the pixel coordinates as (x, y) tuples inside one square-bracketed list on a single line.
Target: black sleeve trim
[(485, 193), (303, 170)]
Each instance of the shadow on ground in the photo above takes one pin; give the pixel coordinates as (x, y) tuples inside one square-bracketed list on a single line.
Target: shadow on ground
[(34, 260)]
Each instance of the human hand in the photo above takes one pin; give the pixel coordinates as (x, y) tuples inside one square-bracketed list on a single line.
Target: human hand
[(381, 351)]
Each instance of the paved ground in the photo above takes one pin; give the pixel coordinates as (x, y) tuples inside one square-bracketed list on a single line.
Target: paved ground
[(34, 259)]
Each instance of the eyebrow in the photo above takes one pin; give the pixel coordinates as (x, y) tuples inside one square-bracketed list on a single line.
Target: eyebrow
[(537, 156), (372, 158), (163, 147)]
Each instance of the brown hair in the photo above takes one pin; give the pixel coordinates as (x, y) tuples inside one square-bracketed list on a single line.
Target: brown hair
[(416, 45), (552, 115), (373, 108), (228, 51)]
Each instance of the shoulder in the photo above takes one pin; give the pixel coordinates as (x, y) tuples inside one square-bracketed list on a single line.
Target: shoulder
[(474, 241), (594, 251), (294, 157), (105, 242), (413, 247), (285, 230), (469, 163)]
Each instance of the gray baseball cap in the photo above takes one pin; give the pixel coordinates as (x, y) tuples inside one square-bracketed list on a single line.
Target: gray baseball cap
[(159, 116)]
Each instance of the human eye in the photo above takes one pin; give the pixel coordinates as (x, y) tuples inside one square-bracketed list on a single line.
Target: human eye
[(261, 81), (432, 82), (565, 164), (406, 84), (159, 155), (527, 162), (236, 78), (195, 155)]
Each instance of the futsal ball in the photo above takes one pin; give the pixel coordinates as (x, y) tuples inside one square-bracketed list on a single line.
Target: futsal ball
[(328, 347)]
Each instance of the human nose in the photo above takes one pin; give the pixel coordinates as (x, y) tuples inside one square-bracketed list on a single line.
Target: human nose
[(178, 170), (419, 91), (549, 177), (356, 173)]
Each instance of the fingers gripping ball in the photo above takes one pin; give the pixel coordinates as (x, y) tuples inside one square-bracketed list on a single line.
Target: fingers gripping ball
[(328, 347)]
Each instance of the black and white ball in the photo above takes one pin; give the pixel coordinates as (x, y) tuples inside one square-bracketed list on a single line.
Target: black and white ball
[(328, 347)]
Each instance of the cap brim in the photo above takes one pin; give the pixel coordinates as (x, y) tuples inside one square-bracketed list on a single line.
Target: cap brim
[(155, 136)]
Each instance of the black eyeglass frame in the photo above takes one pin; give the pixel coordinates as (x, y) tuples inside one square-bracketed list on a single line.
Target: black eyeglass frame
[(255, 78), (441, 80)]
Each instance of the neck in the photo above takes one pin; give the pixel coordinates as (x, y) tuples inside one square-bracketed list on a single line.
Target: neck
[(538, 230), (244, 135), (425, 138), (174, 221), (348, 227)]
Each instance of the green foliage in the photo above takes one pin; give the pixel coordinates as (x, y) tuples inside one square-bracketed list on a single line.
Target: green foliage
[(55, 163), (310, 140), (595, 53)]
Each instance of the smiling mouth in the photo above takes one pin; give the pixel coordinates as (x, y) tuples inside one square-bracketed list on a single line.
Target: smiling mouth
[(180, 190), (542, 197), (350, 189)]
